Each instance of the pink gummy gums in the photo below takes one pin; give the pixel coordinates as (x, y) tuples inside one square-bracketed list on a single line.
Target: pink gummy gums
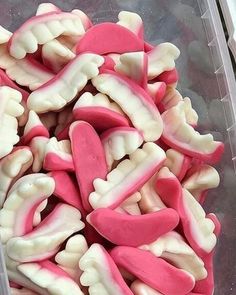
[(39, 130), (89, 158), (100, 118), (53, 162), (115, 273), (109, 38), (108, 64), (169, 77), (66, 189), (133, 230), (153, 271)]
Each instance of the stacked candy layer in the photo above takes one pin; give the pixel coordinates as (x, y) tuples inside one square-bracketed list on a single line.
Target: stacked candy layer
[(102, 172)]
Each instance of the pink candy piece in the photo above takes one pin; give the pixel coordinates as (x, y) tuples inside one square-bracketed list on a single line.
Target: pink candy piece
[(130, 230), (153, 271), (100, 118), (197, 228), (157, 91), (89, 158), (169, 77), (109, 38), (66, 189), (6, 81), (139, 288)]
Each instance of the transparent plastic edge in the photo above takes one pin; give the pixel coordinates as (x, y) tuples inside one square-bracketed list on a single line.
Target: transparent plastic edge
[(224, 70), (4, 283)]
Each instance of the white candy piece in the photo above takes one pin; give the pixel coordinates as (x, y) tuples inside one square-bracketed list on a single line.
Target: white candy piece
[(131, 21), (5, 35), (141, 110), (119, 143), (174, 249), (22, 197), (68, 259), (96, 273), (206, 177), (60, 148), (42, 29), (46, 8), (125, 176), (174, 161), (162, 58), (52, 282), (64, 88), (201, 226), (46, 238), (38, 147), (10, 109), (37, 214), (12, 167), (87, 99)]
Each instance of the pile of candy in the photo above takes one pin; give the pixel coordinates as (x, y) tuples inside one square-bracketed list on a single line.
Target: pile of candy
[(95, 139)]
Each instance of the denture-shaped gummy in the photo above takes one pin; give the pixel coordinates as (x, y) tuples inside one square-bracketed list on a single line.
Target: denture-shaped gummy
[(109, 38), (33, 128), (180, 135), (42, 29), (56, 93), (46, 8), (66, 190), (198, 229), (120, 141), (45, 239), (50, 277), (157, 91), (200, 179), (55, 55), (16, 216), (101, 274), (134, 65), (10, 109), (139, 107), (38, 147), (162, 58), (153, 271), (58, 155), (68, 259), (127, 177), (12, 167), (177, 163), (98, 111), (148, 227), (139, 288), (6, 81), (172, 247), (84, 18), (172, 98), (131, 21), (89, 158)]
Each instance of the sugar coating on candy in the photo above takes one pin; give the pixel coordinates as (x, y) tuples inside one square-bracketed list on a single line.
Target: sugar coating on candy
[(162, 58), (41, 29), (120, 141), (128, 230), (109, 38), (44, 240), (179, 134), (68, 259), (12, 167), (100, 273), (134, 65), (131, 21), (172, 247), (199, 179), (140, 108), (58, 155), (10, 109), (16, 215), (56, 94), (50, 277), (127, 177), (33, 128), (154, 271)]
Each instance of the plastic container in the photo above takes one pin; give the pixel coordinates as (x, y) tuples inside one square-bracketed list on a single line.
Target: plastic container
[(206, 76)]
